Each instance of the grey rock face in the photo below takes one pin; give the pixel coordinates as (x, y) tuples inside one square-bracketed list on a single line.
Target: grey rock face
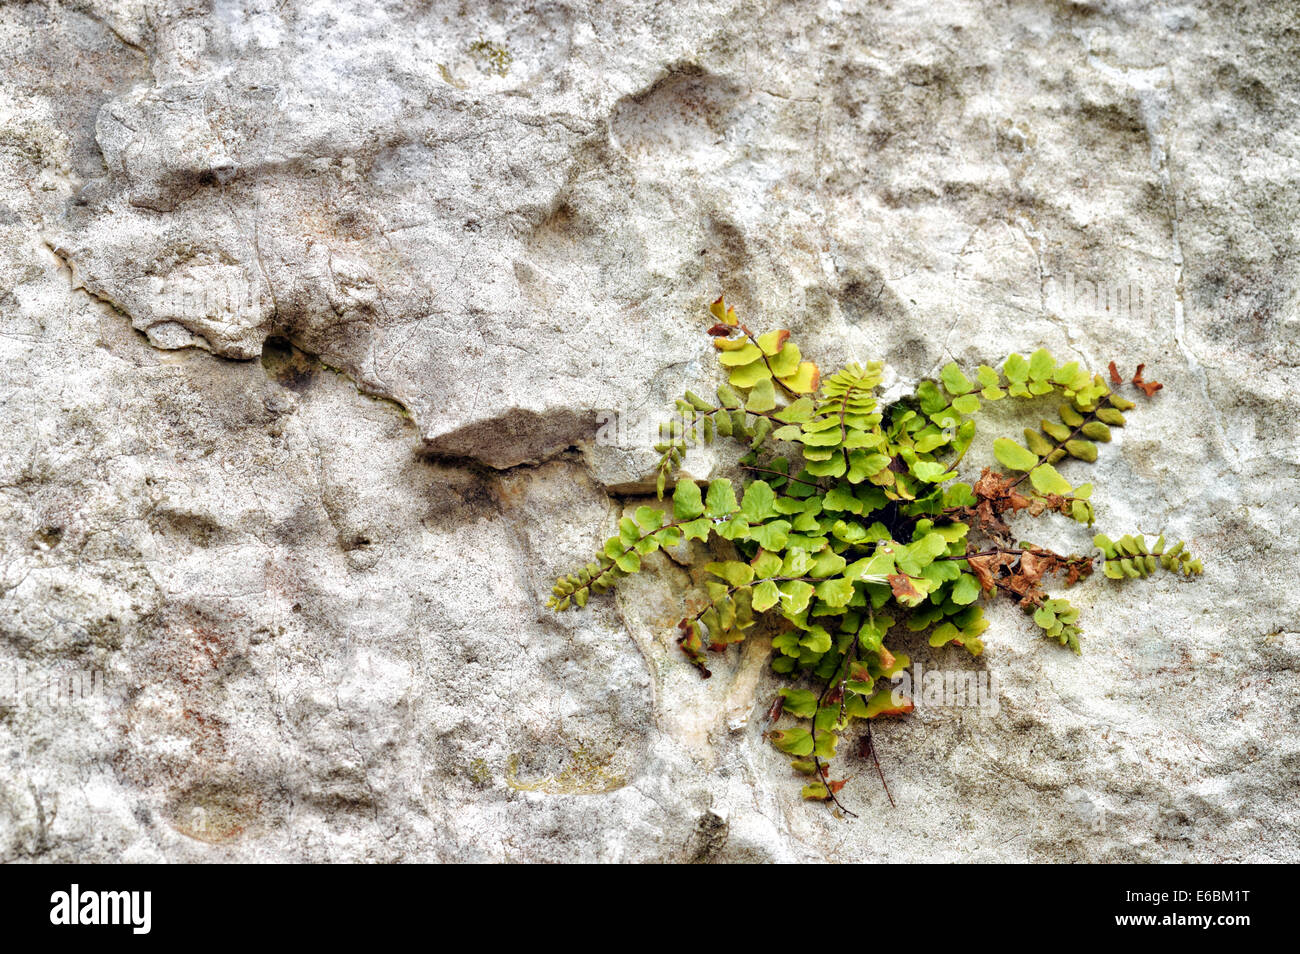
[(311, 315)]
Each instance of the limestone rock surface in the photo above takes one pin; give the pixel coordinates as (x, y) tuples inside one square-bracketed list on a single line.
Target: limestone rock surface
[(311, 314)]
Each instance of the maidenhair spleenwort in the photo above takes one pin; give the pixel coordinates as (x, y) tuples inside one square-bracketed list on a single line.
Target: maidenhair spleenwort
[(852, 522)]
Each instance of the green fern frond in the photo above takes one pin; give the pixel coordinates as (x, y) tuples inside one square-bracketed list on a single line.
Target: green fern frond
[(853, 524)]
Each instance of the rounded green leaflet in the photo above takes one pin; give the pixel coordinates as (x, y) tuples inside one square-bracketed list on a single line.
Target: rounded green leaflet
[(687, 503), (1069, 373), (1039, 444), (1069, 415), (835, 592), (628, 531), (763, 397), (1010, 454), (721, 500), (766, 564), (816, 640), (748, 375), (954, 380), (1047, 480), (742, 355), (1041, 365), (733, 571), (770, 342), (793, 741), (1083, 450), (799, 702), (797, 412), (1057, 431), (803, 380), (765, 596), (965, 590), (772, 535), (1016, 368), (932, 399), (797, 593), (931, 472), (786, 362), (758, 500)]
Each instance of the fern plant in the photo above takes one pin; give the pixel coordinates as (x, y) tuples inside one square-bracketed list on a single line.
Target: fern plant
[(852, 522)]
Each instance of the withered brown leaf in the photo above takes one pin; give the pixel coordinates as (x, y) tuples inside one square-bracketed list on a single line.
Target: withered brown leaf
[(902, 586), (1148, 387)]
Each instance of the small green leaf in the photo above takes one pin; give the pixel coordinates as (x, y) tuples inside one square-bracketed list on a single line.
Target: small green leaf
[(748, 375), (1067, 374), (697, 529), (944, 634), (763, 397), (797, 593), (953, 379), (733, 571), (796, 413), (745, 354), (959, 495), (965, 590), (765, 596), (1083, 450), (931, 472), (1041, 365), (1039, 444), (1069, 415), (1047, 480), (884, 703), (628, 532), (815, 792), (1010, 454), (1016, 368), (800, 703), (771, 342), (687, 504), (649, 518), (786, 361), (816, 640), (766, 564), (931, 398), (804, 380), (727, 396), (836, 593), (840, 498), (793, 741), (1057, 431), (772, 535), (721, 501), (758, 500)]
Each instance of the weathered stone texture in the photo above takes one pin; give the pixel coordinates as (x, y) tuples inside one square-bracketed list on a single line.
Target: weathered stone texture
[(387, 263)]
